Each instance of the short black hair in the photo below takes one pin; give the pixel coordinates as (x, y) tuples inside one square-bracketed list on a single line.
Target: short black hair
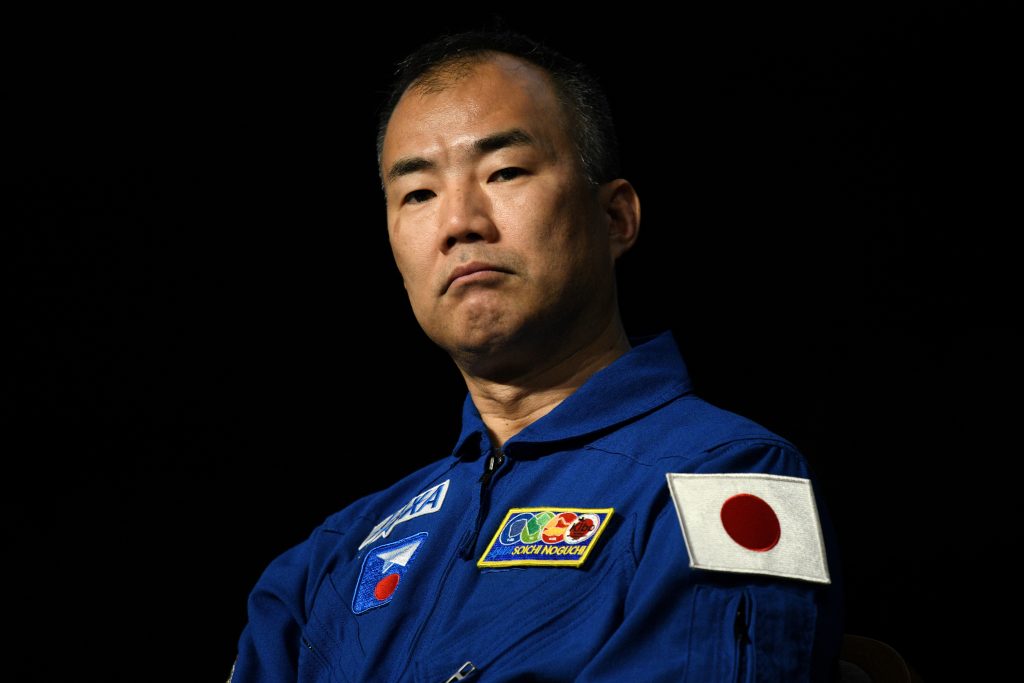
[(579, 91)]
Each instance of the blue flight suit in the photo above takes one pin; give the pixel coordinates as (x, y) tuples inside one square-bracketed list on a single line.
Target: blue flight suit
[(389, 589)]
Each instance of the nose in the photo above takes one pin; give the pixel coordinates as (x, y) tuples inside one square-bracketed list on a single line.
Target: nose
[(466, 217)]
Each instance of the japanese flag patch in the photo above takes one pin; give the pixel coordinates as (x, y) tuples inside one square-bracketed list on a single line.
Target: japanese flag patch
[(750, 523)]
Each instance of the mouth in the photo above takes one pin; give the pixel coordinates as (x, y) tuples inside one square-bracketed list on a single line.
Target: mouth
[(472, 271)]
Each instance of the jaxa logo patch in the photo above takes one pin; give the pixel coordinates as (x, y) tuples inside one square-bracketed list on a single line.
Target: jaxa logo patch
[(426, 503), (383, 569), (545, 537)]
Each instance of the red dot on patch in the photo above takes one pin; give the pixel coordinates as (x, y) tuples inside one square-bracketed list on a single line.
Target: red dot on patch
[(385, 587), (751, 522)]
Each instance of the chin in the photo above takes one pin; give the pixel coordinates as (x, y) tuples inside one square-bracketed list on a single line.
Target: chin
[(480, 348), (479, 329), (479, 342)]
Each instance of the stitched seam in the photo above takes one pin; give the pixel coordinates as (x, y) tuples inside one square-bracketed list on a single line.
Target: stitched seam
[(591, 447), (720, 448)]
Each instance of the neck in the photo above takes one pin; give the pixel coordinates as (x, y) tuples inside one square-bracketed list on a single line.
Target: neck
[(509, 405)]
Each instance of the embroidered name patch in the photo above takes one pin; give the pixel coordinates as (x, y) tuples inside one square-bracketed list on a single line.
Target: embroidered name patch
[(545, 537), (383, 570), (425, 503)]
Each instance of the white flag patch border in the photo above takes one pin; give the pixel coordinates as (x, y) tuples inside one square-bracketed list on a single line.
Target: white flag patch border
[(806, 562)]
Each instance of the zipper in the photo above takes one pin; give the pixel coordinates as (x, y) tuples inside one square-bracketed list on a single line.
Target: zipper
[(465, 547), (742, 639), (423, 624), (313, 651), (465, 671), (494, 461)]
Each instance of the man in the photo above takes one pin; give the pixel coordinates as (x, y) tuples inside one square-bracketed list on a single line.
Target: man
[(595, 521)]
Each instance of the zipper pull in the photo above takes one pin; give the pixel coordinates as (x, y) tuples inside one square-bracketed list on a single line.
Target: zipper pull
[(465, 671), (494, 461)]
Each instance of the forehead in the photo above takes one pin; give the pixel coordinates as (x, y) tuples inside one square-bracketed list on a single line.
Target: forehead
[(467, 102)]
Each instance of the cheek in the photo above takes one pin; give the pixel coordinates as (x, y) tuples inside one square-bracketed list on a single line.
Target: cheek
[(540, 218), (570, 251), (412, 259)]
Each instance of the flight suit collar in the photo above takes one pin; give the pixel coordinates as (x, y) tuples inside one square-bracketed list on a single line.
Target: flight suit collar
[(647, 376)]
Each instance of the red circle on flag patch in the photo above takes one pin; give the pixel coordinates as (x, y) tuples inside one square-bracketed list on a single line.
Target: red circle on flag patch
[(751, 522), (385, 587)]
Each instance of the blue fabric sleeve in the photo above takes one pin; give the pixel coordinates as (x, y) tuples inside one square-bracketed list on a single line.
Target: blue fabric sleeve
[(268, 648), (683, 624)]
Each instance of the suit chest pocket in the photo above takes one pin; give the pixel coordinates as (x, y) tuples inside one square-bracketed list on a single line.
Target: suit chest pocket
[(329, 637)]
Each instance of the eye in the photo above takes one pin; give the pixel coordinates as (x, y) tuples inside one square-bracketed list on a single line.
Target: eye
[(506, 174), (418, 196)]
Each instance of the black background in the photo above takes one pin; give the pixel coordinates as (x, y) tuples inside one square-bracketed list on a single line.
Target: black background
[(212, 349)]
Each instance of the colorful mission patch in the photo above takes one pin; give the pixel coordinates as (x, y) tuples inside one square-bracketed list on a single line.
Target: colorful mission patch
[(384, 567), (545, 537)]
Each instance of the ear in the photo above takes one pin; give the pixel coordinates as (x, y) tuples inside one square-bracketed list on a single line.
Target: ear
[(621, 205)]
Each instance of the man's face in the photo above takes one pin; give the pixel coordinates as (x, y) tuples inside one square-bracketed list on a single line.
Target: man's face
[(500, 241)]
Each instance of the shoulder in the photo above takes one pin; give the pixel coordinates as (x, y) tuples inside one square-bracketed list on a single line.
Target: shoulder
[(339, 536), (381, 503), (358, 518), (690, 434)]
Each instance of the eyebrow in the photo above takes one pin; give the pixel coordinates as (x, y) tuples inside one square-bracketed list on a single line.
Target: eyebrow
[(513, 137), (407, 165)]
